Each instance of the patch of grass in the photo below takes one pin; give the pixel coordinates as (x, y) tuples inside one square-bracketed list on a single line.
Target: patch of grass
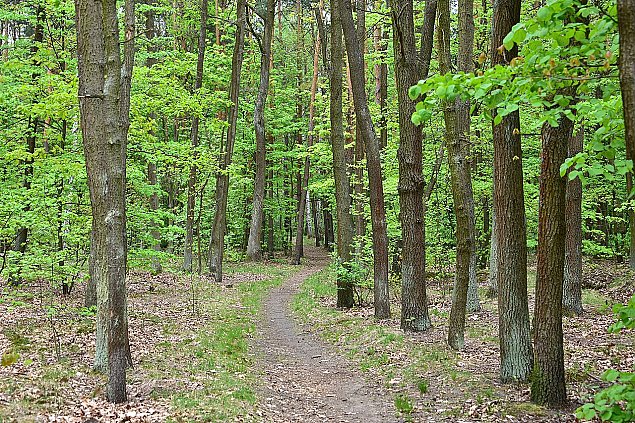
[(403, 404), (594, 299), (422, 386), (525, 408)]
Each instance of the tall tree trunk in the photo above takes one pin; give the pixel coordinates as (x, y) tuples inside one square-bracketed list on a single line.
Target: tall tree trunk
[(299, 241), (457, 146), (191, 182), (509, 206), (373, 163), (254, 249), (340, 174), (465, 63), (380, 41), (492, 289), (548, 379), (414, 302), (427, 36), (104, 99), (626, 24), (359, 152), (572, 288), (219, 226)]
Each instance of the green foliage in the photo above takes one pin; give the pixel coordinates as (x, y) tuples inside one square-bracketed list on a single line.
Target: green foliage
[(403, 404), (617, 402)]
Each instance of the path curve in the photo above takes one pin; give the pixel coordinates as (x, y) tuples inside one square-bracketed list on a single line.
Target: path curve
[(304, 380)]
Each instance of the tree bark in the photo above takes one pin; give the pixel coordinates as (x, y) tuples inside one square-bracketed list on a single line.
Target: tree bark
[(572, 288), (299, 242), (254, 249), (414, 302), (219, 226), (626, 24), (548, 378), (191, 182), (373, 163), (380, 41), (340, 173), (509, 206), (104, 98)]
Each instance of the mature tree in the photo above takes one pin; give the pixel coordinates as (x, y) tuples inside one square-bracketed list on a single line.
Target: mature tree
[(547, 381), (414, 303), (104, 99), (254, 250), (509, 206), (626, 25), (572, 284), (194, 141), (302, 207), (373, 163), (217, 240), (458, 150)]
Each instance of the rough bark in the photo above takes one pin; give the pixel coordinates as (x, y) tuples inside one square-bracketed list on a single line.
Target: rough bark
[(191, 182), (254, 249), (548, 378), (219, 226), (104, 98), (342, 182), (373, 163), (626, 24), (509, 205), (572, 285), (414, 302)]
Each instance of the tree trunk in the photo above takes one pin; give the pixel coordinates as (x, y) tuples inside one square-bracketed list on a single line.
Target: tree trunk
[(492, 289), (572, 289), (254, 249), (548, 378), (373, 163), (458, 151), (414, 302), (380, 42), (509, 206), (191, 182), (299, 241), (219, 227), (626, 23), (340, 173), (104, 99)]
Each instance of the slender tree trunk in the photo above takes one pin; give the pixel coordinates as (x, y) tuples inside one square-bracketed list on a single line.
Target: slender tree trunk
[(104, 98), (414, 303), (572, 289), (373, 163), (492, 290), (254, 249), (548, 378), (509, 206), (340, 174), (299, 242), (359, 151), (626, 24), (427, 36), (219, 226), (381, 77), (191, 182), (458, 151)]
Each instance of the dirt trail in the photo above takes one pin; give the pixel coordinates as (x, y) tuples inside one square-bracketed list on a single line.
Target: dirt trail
[(304, 379)]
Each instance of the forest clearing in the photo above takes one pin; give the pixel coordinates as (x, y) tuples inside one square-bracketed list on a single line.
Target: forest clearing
[(317, 210)]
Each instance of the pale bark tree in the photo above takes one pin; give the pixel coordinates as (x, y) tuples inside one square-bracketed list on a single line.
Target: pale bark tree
[(219, 226), (373, 163), (254, 249), (104, 100), (509, 205)]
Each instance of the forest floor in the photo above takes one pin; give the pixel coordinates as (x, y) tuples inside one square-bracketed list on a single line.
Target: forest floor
[(273, 348)]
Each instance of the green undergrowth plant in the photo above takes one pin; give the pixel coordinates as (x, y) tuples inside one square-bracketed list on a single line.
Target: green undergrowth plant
[(615, 403)]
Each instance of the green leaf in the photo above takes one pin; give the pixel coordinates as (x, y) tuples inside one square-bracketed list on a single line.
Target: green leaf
[(544, 14), (498, 119), (414, 92)]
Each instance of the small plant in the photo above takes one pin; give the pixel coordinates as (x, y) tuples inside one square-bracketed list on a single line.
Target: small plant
[(617, 402), (403, 404), (423, 386)]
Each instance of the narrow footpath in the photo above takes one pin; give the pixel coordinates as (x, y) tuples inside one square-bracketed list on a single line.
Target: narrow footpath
[(304, 380)]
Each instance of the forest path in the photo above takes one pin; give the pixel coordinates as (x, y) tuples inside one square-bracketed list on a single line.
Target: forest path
[(304, 380)]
